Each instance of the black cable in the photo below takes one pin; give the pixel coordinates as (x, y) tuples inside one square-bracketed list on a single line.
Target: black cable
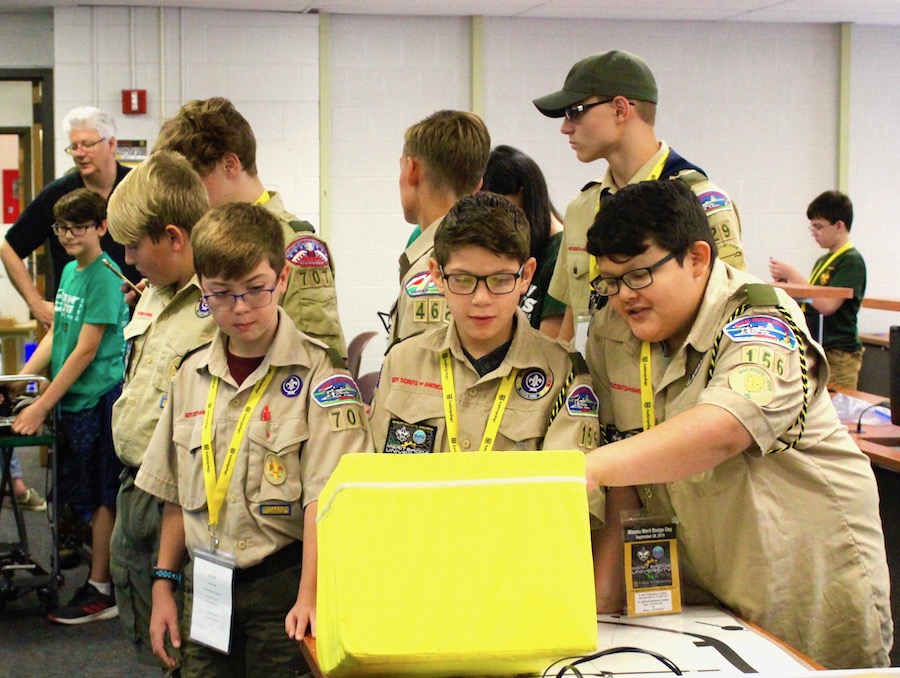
[(883, 403), (669, 664)]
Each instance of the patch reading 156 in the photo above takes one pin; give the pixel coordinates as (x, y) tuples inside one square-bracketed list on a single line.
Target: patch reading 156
[(651, 569)]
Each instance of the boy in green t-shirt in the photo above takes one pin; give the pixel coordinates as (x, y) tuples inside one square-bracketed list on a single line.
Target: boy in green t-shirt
[(85, 352)]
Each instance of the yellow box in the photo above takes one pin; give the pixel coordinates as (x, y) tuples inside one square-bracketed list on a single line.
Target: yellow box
[(454, 564)]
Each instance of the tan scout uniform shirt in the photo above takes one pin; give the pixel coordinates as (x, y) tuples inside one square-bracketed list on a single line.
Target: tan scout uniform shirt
[(571, 277), (791, 540), (419, 305), (282, 464), (552, 405), (310, 299), (166, 325)]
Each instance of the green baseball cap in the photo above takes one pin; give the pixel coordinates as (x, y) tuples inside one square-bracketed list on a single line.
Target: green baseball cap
[(613, 73)]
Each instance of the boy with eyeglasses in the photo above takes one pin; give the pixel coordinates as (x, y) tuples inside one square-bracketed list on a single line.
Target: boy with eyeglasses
[(253, 426), (152, 213), (487, 380), (830, 219), (92, 137), (713, 396), (608, 107), (85, 353)]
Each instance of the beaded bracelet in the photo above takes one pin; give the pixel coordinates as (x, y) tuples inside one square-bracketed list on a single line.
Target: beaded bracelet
[(170, 575)]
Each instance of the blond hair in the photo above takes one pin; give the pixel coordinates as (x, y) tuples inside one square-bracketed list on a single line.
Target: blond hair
[(162, 190), (453, 146)]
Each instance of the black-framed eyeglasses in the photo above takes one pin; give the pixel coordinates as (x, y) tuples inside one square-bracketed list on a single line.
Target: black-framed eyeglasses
[(573, 113), (467, 283), (74, 229), (86, 145), (253, 299), (636, 279)]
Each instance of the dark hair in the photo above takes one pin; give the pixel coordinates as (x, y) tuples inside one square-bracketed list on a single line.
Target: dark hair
[(80, 206), (483, 220), (832, 206), (665, 213), (510, 171)]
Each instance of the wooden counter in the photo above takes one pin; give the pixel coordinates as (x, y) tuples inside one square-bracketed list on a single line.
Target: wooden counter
[(881, 304), (806, 292), (12, 336)]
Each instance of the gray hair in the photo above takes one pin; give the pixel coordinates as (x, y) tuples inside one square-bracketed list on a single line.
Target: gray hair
[(89, 117)]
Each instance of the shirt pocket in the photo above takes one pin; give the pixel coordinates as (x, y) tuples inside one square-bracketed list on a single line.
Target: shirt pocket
[(418, 408), (522, 429), (273, 466), (187, 439)]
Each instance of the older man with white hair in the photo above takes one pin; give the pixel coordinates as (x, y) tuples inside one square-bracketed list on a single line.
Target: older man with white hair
[(92, 145)]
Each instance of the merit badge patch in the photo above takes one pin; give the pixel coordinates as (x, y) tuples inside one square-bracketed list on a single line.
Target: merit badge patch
[(533, 383), (714, 201), (274, 469), (307, 252), (753, 382), (291, 386), (583, 402), (201, 310), (421, 285), (762, 328), (337, 390), (403, 438)]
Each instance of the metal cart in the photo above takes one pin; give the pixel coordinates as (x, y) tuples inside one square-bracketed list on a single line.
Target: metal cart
[(19, 571)]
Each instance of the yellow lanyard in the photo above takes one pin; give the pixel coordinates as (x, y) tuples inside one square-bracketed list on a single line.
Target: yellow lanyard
[(653, 176), (216, 489), (648, 408), (451, 413), (263, 199), (819, 270)]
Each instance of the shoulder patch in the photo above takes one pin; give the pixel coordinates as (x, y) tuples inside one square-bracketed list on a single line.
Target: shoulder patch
[(337, 390), (307, 252), (762, 328), (337, 360), (421, 285), (760, 294), (583, 402), (579, 365), (299, 226), (714, 201)]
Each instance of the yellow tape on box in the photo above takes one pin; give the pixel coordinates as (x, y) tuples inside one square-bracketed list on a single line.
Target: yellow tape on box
[(454, 564)]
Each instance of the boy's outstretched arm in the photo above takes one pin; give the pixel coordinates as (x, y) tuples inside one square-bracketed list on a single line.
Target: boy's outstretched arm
[(164, 613), (30, 419), (303, 613)]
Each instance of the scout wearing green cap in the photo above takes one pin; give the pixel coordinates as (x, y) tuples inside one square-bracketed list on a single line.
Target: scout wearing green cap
[(613, 73)]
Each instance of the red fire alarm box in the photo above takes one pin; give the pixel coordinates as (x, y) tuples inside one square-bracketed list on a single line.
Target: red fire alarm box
[(10, 195), (134, 101)]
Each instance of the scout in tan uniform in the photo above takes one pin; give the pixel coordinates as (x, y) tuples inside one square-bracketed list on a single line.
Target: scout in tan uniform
[(496, 366), (254, 426), (608, 106), (715, 397), (152, 214), (443, 159), (219, 143)]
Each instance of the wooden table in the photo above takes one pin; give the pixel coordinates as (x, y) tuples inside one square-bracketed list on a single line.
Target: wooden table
[(11, 337), (678, 637), (881, 304), (806, 293)]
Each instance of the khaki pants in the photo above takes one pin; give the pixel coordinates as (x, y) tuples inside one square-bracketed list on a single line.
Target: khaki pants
[(844, 367)]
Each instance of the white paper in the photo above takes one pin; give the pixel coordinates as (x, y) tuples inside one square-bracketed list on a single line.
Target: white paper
[(212, 603)]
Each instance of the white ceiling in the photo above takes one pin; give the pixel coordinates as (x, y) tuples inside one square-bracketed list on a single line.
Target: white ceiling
[(801, 11)]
